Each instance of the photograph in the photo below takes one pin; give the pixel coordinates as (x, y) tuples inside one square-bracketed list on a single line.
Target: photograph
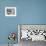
[(10, 11)]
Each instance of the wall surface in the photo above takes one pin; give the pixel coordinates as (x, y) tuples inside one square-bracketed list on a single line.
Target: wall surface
[(28, 12)]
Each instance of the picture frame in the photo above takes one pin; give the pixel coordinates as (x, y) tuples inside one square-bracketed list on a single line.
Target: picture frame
[(10, 11)]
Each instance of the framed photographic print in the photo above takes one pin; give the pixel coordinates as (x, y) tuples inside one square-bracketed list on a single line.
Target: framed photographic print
[(10, 11)]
